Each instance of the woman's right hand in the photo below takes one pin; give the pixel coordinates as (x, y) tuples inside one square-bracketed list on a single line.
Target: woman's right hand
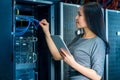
[(45, 26)]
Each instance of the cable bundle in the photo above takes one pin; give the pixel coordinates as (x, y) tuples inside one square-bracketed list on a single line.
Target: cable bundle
[(20, 31)]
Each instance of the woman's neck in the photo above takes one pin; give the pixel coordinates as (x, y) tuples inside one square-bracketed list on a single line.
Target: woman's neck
[(88, 33)]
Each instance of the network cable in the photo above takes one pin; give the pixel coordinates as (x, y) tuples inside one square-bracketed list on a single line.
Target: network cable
[(21, 31)]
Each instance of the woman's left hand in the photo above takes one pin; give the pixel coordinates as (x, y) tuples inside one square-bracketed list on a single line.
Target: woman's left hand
[(67, 57)]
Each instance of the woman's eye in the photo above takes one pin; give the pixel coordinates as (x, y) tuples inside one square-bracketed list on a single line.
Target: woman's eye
[(79, 14)]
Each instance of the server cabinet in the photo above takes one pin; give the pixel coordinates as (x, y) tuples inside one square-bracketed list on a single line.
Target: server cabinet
[(67, 29), (32, 56), (6, 60), (113, 35), (24, 54)]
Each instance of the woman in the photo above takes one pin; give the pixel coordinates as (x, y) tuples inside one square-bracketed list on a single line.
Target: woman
[(87, 56)]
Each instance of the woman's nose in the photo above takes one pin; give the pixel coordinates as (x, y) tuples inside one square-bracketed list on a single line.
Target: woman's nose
[(76, 17)]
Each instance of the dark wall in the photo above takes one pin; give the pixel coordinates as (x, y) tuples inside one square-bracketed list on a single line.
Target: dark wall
[(6, 40)]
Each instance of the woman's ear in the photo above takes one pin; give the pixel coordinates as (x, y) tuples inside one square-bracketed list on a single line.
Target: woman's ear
[(79, 32)]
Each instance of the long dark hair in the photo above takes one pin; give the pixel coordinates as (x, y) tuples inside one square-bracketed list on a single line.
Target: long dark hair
[(95, 21)]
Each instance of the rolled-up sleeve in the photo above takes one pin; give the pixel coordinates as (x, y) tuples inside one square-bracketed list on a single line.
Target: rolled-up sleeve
[(98, 57)]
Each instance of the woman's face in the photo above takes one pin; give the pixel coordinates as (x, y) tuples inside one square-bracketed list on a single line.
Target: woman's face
[(80, 19)]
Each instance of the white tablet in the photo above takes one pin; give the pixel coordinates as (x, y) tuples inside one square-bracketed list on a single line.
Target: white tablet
[(59, 42)]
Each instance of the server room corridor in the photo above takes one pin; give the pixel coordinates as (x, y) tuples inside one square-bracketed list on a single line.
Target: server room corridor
[(24, 50)]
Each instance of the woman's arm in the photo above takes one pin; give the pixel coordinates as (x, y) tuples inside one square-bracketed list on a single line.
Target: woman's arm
[(53, 49), (90, 73)]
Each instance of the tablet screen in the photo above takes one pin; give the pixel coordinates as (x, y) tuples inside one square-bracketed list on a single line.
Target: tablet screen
[(59, 42)]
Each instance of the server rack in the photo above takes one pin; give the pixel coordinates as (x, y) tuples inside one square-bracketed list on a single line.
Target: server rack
[(113, 36), (67, 29), (25, 55), (31, 52)]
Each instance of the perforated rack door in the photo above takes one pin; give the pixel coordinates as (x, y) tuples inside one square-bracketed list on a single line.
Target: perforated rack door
[(67, 27), (113, 26)]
